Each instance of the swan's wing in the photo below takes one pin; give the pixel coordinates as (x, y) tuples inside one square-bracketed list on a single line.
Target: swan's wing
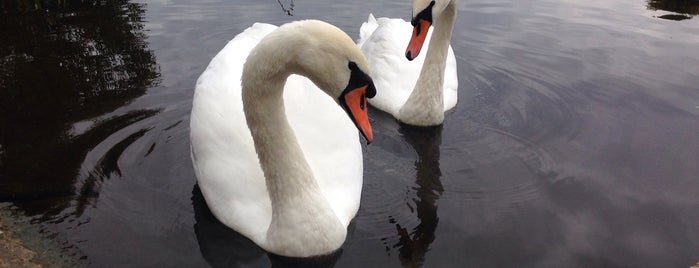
[(223, 155)]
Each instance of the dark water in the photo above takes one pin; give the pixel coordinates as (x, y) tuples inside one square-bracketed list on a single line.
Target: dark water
[(574, 143)]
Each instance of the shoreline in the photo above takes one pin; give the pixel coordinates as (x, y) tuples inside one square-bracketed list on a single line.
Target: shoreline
[(12, 252), (27, 245)]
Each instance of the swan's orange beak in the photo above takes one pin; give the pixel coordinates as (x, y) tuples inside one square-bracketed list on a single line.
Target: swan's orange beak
[(417, 39), (356, 106)]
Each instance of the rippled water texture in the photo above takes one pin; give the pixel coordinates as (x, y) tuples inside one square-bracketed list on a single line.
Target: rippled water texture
[(574, 143)]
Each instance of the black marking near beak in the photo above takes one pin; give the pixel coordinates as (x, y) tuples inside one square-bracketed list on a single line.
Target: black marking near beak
[(353, 100), (425, 14)]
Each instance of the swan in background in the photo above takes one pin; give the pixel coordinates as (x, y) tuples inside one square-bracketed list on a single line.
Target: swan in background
[(275, 157), (418, 92)]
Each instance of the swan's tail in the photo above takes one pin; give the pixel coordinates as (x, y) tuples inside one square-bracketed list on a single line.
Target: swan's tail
[(367, 29)]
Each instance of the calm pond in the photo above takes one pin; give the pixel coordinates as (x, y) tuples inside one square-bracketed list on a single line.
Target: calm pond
[(575, 142)]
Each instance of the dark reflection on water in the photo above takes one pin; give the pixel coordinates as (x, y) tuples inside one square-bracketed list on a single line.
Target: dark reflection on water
[(415, 243), (684, 9), (62, 62), (107, 165)]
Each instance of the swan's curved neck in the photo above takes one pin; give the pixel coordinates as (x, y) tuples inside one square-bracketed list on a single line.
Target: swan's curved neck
[(425, 106), (295, 224)]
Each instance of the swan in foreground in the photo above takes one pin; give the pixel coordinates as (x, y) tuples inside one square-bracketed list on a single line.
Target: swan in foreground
[(275, 157), (418, 92)]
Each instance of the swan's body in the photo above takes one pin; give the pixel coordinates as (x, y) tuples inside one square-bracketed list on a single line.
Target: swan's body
[(294, 184), (415, 92)]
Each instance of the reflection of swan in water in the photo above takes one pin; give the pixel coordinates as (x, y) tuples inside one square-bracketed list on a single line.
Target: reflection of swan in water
[(413, 244), (222, 247)]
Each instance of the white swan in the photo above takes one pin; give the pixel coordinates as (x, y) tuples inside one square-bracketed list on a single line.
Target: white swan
[(417, 92), (276, 159)]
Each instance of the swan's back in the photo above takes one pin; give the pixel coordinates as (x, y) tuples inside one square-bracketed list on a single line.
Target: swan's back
[(224, 157), (383, 42)]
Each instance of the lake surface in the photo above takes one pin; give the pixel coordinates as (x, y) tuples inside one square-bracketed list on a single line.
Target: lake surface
[(575, 142)]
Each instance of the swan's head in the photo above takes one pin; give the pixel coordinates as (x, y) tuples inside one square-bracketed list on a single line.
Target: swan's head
[(424, 14), (330, 58)]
